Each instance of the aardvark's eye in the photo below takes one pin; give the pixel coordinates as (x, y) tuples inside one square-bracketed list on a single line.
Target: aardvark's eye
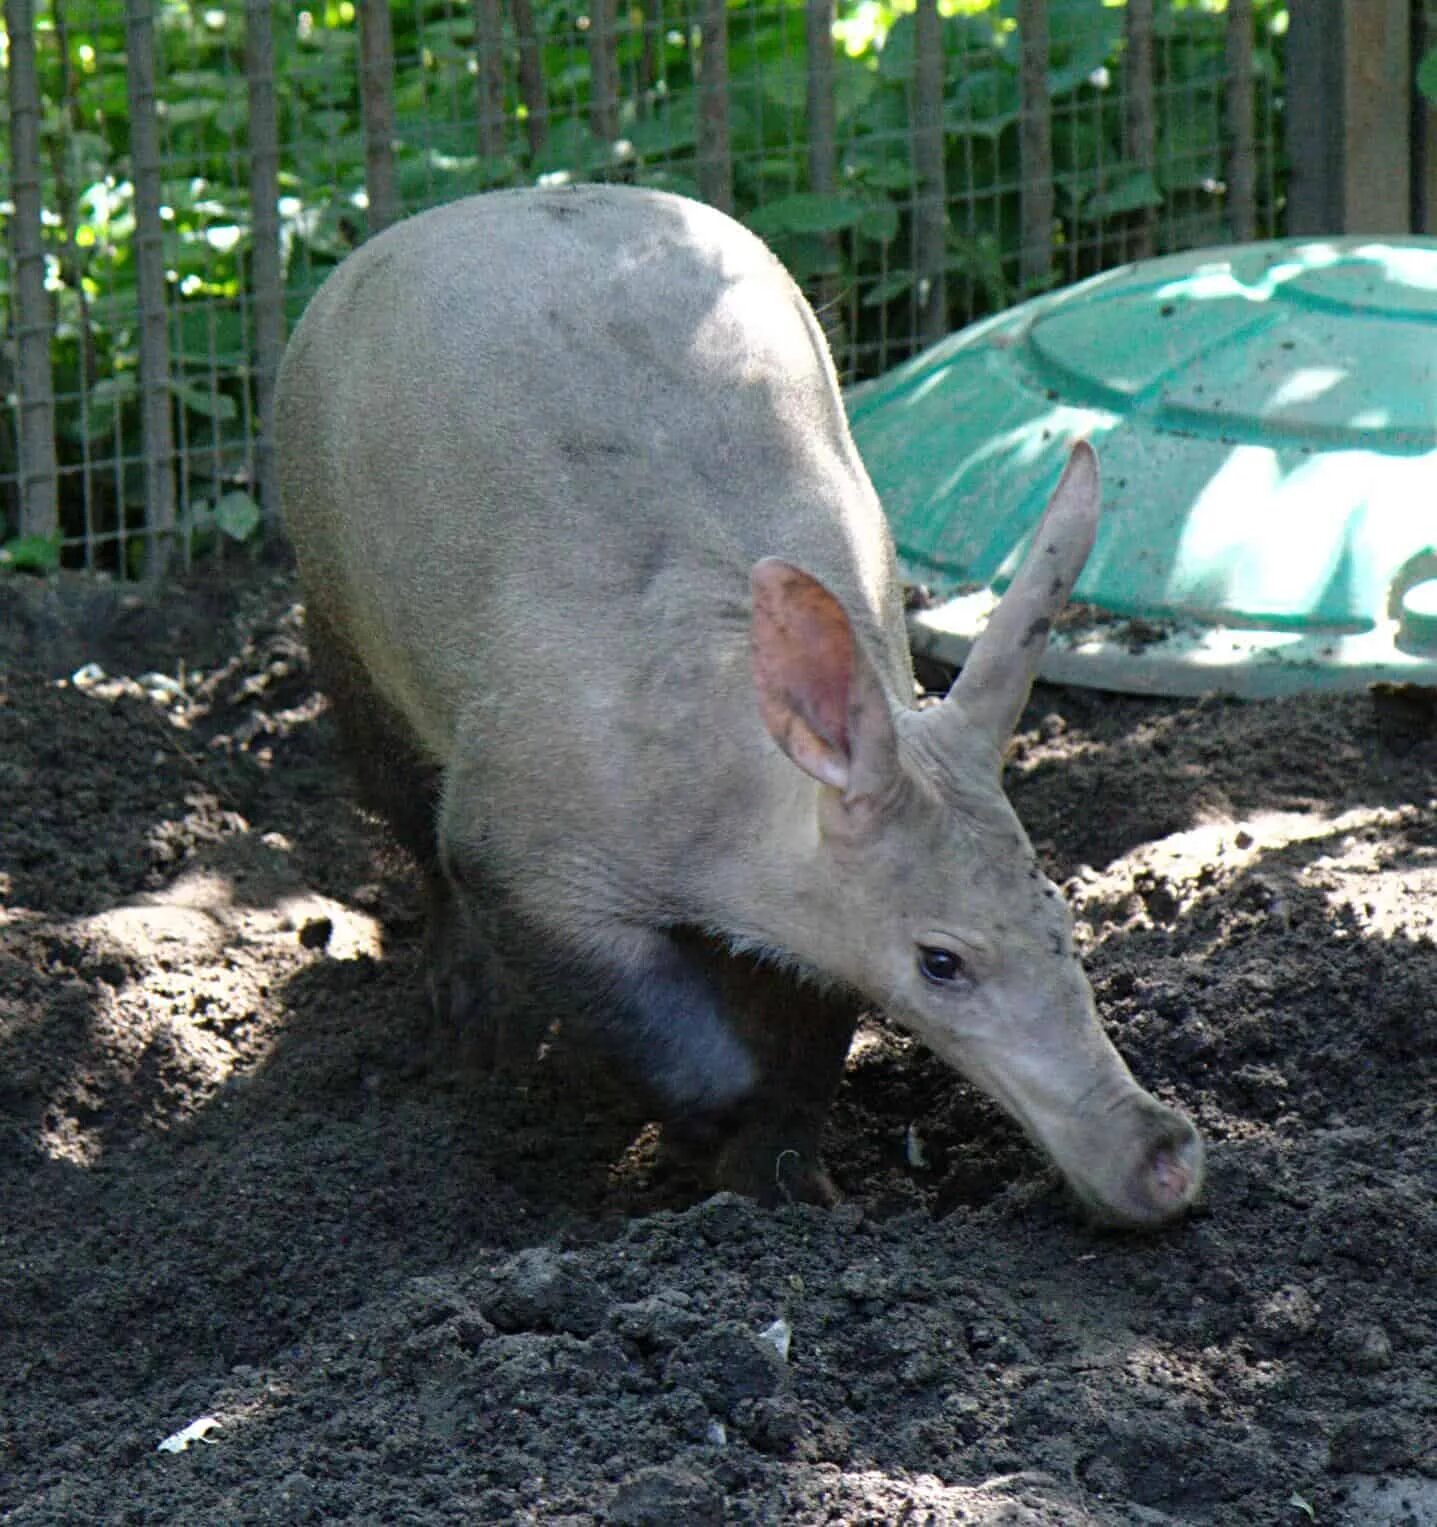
[(939, 965)]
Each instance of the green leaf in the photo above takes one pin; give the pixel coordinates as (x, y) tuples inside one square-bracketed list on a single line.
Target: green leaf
[(327, 124), (31, 554), (980, 260), (191, 82), (187, 113), (808, 257), (965, 37), (879, 222), (787, 89), (199, 400), (899, 53), (233, 116), (1080, 146), (209, 333), (1081, 35), (854, 82), (1129, 193), (237, 515), (108, 396), (984, 103), (1427, 74), (894, 284), (672, 129), (1187, 146), (882, 173), (807, 212), (572, 148)]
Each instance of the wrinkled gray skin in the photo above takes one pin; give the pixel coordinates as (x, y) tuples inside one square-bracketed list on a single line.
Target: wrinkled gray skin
[(608, 608)]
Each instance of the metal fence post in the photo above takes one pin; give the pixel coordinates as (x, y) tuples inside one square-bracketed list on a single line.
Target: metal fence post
[(1139, 118), (715, 157), (1241, 149), (266, 277), (376, 97), (155, 395), (38, 488), (823, 162), (1349, 93), (1035, 153)]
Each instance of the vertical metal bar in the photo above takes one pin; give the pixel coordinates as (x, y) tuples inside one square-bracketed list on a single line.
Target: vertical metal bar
[(1035, 147), (822, 118), (823, 165), (1349, 76), (532, 90), (930, 191), (72, 263), (376, 99), (715, 160), (1378, 82), (604, 69), (267, 279), (1314, 122), (1421, 110), (489, 46), (38, 485), (155, 397), (1139, 118), (652, 12), (1241, 148)]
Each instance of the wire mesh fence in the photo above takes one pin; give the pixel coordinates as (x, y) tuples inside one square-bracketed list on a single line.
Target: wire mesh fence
[(182, 175)]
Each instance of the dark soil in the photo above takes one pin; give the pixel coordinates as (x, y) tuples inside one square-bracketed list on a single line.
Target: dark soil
[(243, 1184)]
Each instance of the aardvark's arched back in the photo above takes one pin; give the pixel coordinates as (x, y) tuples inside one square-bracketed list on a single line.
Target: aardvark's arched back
[(610, 613)]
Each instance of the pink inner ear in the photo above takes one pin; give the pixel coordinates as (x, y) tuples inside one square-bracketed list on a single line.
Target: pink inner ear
[(802, 661)]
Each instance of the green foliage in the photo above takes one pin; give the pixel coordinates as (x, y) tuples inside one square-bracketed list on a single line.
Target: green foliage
[(30, 554), (1427, 74), (858, 239), (234, 515)]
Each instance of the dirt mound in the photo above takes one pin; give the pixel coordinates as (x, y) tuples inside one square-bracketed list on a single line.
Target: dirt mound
[(245, 1186)]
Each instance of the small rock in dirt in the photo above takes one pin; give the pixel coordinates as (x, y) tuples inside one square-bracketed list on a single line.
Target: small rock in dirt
[(865, 1285), (444, 1350), (660, 1496), (540, 1290), (663, 1319), (726, 1217), (922, 1368), (315, 934), (296, 1489), (773, 1426), (1371, 1443), (1287, 1315), (989, 1342), (601, 1364), (1366, 1348), (684, 1411), (846, 1217), (727, 1364)]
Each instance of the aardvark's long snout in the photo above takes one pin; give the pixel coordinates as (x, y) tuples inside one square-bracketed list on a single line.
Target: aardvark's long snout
[(1131, 1159), (1141, 1166)]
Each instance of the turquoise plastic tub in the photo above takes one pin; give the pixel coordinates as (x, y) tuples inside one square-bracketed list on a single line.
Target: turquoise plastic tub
[(1266, 419)]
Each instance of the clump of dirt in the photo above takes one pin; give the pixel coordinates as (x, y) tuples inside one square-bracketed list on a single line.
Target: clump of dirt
[(246, 1186)]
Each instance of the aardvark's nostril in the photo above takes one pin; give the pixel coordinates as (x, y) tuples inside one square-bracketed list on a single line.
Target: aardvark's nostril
[(1176, 1169)]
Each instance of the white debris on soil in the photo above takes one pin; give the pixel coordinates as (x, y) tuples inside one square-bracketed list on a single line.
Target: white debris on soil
[(196, 1431), (779, 1336)]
